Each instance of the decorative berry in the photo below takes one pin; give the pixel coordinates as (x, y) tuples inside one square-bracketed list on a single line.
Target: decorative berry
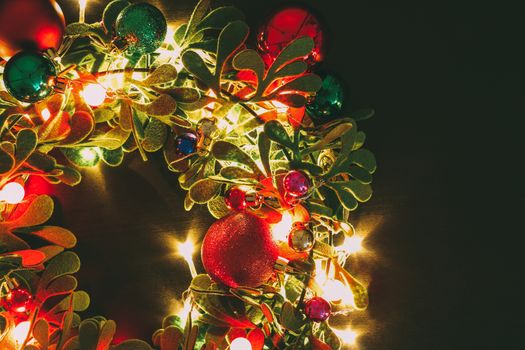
[(238, 250), (284, 27), (17, 300), (296, 183), (29, 76), (186, 144), (235, 199), (301, 239), (317, 309)]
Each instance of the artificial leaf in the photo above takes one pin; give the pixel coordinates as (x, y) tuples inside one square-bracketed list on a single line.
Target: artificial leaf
[(26, 141), (308, 83), (264, 144), (82, 124), (162, 75), (250, 60), (220, 17), (103, 115), (195, 65), (41, 332), (277, 133), (53, 234), (65, 263), (226, 151), (204, 190), (163, 105), (230, 39), (112, 157), (69, 176), (155, 136), (7, 161), (38, 211)]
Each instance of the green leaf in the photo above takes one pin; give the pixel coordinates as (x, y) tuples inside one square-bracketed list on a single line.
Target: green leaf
[(291, 319), (204, 190), (332, 135), (82, 125), (82, 157), (38, 211), (291, 69), (298, 48), (162, 75), (346, 199), (112, 158), (88, 334), (265, 145), (197, 15), (220, 17), (7, 161), (363, 114), (308, 83), (113, 139), (231, 38), (163, 105), (218, 208), (26, 141), (360, 174), (107, 332), (362, 192), (53, 234), (111, 12), (250, 60), (365, 159), (64, 264), (277, 133), (233, 172), (292, 100), (41, 161), (61, 285), (132, 344), (226, 151), (195, 65), (154, 136), (319, 209), (103, 115), (41, 332)]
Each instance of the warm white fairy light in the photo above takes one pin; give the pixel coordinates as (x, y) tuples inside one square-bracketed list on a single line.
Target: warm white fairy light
[(348, 336), (82, 4), (352, 245), (12, 193), (45, 114), (94, 94), (281, 230), (21, 332), (240, 344), (88, 154), (186, 250)]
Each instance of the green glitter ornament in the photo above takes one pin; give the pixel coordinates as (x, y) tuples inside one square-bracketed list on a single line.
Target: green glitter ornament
[(328, 101), (141, 28), (29, 76)]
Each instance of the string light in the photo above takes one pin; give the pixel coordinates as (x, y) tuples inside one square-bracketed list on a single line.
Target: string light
[(348, 336), (45, 114), (352, 245), (12, 193), (281, 230), (21, 332), (241, 344), (94, 94), (186, 250), (82, 4), (89, 154), (334, 290)]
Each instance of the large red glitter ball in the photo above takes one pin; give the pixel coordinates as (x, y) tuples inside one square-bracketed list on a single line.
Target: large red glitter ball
[(17, 300), (287, 25), (30, 25), (238, 250)]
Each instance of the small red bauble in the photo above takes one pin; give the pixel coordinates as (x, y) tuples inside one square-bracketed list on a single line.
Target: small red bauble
[(297, 184), (284, 27), (238, 250), (30, 25), (317, 309), (17, 300), (235, 199)]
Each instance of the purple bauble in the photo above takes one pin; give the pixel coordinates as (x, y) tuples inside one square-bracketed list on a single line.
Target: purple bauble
[(296, 183), (317, 309)]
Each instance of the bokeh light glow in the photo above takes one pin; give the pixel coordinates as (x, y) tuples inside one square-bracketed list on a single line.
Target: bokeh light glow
[(240, 344), (94, 94), (12, 193)]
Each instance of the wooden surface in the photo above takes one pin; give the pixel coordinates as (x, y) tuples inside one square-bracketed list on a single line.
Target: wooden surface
[(442, 78)]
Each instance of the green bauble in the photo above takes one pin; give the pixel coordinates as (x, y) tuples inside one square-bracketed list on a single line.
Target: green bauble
[(111, 12), (29, 76), (142, 27), (328, 101)]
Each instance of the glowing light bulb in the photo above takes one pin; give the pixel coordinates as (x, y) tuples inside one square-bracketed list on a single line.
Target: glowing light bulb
[(348, 336), (334, 290), (45, 114), (21, 332), (241, 344), (94, 94), (82, 10), (352, 244), (281, 230), (12, 193), (186, 250), (88, 154)]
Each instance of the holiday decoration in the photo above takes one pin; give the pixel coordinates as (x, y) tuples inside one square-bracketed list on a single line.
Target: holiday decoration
[(296, 183), (329, 99), (287, 25), (317, 309), (30, 25), (186, 144), (235, 199), (238, 250), (142, 27), (301, 239), (29, 76), (281, 183)]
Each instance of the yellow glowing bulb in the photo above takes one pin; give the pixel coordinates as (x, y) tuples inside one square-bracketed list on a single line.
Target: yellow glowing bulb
[(352, 244), (21, 332), (186, 250), (240, 344), (334, 290), (94, 94), (45, 114), (82, 10), (348, 336), (281, 230), (12, 193)]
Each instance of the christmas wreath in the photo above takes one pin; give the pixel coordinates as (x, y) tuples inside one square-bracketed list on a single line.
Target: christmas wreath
[(253, 134)]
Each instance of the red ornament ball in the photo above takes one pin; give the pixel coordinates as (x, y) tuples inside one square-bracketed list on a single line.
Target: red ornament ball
[(287, 25), (30, 25), (317, 309), (238, 250), (297, 184), (17, 300), (235, 199)]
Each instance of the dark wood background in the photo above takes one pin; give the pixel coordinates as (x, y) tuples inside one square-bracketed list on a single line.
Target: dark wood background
[(443, 264)]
